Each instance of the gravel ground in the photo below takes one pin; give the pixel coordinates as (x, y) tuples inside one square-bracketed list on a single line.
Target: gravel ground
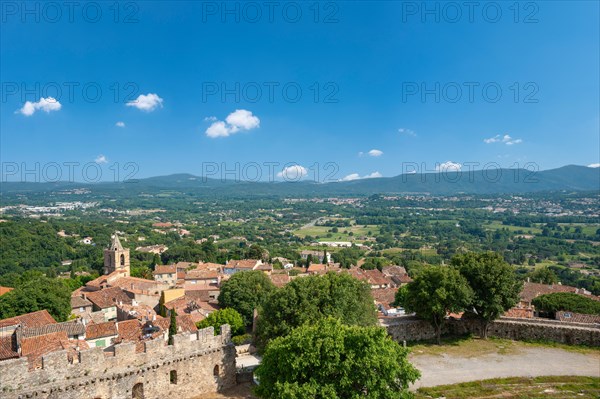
[(529, 362)]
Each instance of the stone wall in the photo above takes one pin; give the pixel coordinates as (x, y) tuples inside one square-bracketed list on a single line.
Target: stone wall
[(195, 364), (413, 329)]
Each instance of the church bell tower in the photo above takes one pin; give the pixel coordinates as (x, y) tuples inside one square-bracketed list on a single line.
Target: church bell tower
[(116, 257)]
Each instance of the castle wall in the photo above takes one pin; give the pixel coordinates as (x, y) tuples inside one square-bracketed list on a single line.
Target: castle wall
[(202, 363), (412, 329)]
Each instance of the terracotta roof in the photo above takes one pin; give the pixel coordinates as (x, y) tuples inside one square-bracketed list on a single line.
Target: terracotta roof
[(129, 330), (185, 265), (107, 329), (280, 279), (135, 283), (384, 296), (532, 290), (578, 317), (8, 347), (160, 269), (35, 347), (4, 290), (209, 266), (201, 275), (264, 266), (108, 297), (394, 271), (242, 264), (185, 323), (30, 320), (69, 327), (372, 277), (79, 302), (316, 267)]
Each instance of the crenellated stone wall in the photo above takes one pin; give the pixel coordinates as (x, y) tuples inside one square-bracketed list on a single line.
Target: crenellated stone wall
[(195, 364), (413, 329)]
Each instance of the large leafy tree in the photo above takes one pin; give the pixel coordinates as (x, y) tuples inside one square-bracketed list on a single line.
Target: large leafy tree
[(309, 299), (331, 360), (436, 291), (494, 283), (244, 292), (224, 316), (38, 292)]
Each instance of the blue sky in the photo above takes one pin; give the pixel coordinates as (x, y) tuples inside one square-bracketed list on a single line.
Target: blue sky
[(385, 76)]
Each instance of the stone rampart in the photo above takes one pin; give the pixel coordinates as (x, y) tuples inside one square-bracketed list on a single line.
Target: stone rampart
[(413, 329), (196, 363)]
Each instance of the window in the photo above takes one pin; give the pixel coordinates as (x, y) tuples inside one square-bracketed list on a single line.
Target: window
[(173, 376), (122, 260), (216, 370)]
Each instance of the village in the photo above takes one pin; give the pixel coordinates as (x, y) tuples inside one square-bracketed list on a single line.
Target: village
[(117, 308)]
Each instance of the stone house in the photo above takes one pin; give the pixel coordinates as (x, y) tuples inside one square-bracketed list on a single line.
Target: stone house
[(165, 274)]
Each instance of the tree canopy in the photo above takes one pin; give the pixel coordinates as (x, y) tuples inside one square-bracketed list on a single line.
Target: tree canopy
[(493, 281), (330, 360), (244, 292), (38, 293), (567, 301), (224, 316), (309, 299), (435, 291)]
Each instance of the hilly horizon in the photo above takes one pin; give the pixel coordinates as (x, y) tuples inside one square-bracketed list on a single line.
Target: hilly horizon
[(491, 181)]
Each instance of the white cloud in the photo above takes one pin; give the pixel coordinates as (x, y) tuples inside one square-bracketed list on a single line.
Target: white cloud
[(293, 172), (45, 104), (101, 159), (120, 124), (375, 153), (448, 166), (238, 120), (218, 129), (407, 132), (356, 176), (242, 119), (148, 102), (594, 165), (506, 139), (350, 177)]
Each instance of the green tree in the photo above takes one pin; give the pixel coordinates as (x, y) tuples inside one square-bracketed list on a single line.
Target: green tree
[(436, 291), (543, 275), (37, 293), (330, 360), (244, 292), (494, 283), (400, 297), (567, 301), (224, 316), (172, 326), (309, 299)]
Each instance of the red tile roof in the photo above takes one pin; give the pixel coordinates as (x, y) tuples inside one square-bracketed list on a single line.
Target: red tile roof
[(280, 279), (160, 269), (34, 319), (95, 331), (578, 317), (108, 297), (8, 347), (4, 290), (35, 347), (532, 290)]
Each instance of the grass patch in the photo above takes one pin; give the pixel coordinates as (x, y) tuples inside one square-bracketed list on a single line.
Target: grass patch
[(555, 387), (469, 346)]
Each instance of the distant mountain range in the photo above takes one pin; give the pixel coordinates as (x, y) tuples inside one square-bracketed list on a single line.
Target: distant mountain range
[(492, 181)]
